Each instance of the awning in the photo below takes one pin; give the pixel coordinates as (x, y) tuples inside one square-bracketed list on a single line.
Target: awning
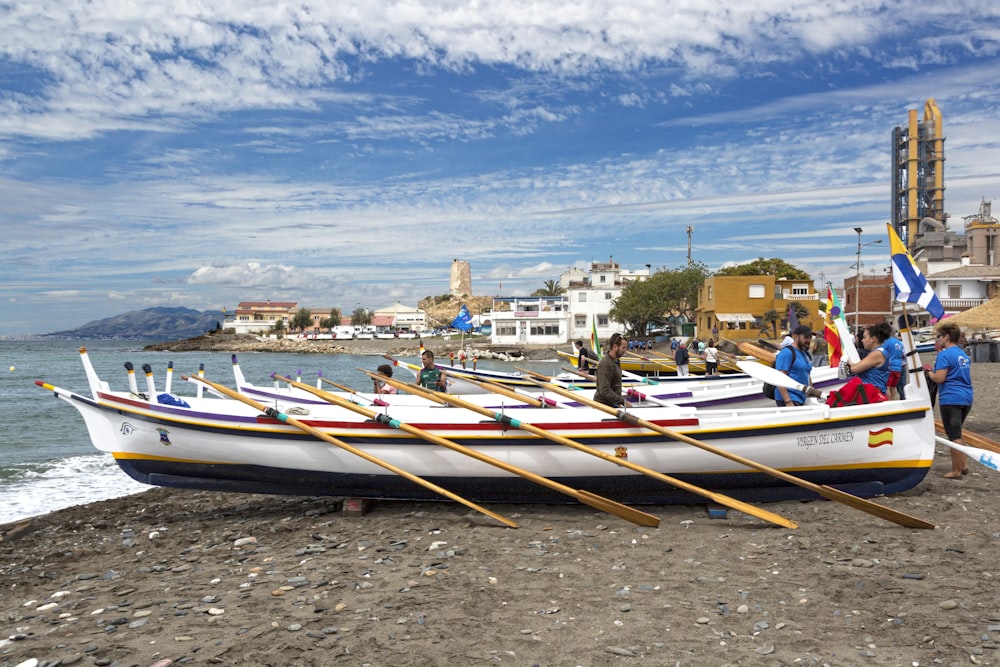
[(734, 317)]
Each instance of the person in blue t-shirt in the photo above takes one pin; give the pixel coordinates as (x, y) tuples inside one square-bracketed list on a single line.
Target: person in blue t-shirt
[(874, 368), (795, 362), (896, 354), (954, 396)]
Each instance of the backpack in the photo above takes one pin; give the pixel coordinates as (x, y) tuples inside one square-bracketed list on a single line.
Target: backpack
[(769, 389)]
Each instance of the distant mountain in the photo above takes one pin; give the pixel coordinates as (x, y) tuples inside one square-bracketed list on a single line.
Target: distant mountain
[(164, 324)]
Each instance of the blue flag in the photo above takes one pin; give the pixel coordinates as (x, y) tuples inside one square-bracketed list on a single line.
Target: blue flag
[(910, 284), (462, 321)]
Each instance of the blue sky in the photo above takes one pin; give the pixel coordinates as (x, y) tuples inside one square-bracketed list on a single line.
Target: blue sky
[(205, 153)]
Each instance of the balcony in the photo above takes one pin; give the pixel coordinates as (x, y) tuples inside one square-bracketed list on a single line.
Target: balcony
[(961, 304)]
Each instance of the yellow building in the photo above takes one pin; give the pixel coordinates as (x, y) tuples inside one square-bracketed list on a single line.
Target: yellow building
[(733, 307)]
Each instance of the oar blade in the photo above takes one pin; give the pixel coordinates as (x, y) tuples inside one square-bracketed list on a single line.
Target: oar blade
[(637, 517), (747, 508), (881, 511)]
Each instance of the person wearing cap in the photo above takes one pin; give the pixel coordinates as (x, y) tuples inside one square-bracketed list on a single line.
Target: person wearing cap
[(874, 368), (795, 361)]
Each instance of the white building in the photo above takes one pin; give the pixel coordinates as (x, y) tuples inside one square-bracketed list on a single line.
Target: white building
[(591, 296), (401, 317), (535, 320), (259, 317), (559, 320), (965, 286)]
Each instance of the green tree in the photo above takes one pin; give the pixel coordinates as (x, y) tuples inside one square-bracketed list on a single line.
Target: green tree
[(278, 327), (332, 321), (361, 317), (550, 288), (776, 267), (303, 320), (649, 302), (772, 317)]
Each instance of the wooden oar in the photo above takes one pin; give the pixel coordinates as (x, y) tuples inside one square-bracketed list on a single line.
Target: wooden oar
[(507, 420), (376, 401), (599, 502), (341, 387), (756, 351), (973, 439), (978, 455), (823, 490), (326, 437)]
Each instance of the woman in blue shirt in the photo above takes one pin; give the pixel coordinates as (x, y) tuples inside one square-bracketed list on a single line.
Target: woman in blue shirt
[(954, 396), (874, 368)]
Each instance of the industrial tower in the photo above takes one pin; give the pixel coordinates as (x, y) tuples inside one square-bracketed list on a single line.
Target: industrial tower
[(918, 175)]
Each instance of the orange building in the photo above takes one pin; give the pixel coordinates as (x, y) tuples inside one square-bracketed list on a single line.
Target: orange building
[(735, 306)]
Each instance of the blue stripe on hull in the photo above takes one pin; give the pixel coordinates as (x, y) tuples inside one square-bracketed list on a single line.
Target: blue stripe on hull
[(747, 486)]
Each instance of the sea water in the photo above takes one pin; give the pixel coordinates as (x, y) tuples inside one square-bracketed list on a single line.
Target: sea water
[(47, 461)]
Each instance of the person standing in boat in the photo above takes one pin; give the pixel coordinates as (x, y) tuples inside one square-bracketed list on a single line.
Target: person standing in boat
[(430, 376), (584, 357), (795, 361), (681, 358), (874, 368), (953, 378), (609, 373), (381, 387)]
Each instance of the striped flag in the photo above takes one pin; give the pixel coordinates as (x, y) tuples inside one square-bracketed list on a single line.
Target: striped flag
[(910, 284), (595, 342), (834, 347)]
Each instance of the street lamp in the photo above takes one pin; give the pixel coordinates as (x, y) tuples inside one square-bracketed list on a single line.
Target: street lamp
[(857, 276)]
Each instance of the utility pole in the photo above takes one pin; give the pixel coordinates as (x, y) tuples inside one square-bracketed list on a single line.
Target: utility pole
[(690, 230), (857, 277)]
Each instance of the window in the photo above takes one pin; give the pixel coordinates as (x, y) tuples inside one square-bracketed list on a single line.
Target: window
[(756, 291), (582, 297), (507, 329), (602, 320), (544, 328), (603, 279), (800, 290), (607, 296), (710, 288), (580, 321), (954, 291)]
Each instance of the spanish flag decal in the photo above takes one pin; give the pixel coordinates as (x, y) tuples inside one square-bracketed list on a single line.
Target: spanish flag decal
[(883, 436)]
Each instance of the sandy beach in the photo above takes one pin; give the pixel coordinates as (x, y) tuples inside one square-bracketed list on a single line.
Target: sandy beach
[(184, 577)]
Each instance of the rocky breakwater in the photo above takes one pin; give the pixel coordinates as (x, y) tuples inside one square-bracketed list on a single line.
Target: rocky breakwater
[(403, 347)]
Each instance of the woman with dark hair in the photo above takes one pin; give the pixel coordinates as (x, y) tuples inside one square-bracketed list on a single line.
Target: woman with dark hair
[(382, 387), (874, 368), (952, 376)]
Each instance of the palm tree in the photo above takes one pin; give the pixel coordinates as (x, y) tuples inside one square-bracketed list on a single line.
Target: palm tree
[(550, 288)]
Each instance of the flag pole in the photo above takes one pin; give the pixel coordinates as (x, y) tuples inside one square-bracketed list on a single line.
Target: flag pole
[(913, 348)]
